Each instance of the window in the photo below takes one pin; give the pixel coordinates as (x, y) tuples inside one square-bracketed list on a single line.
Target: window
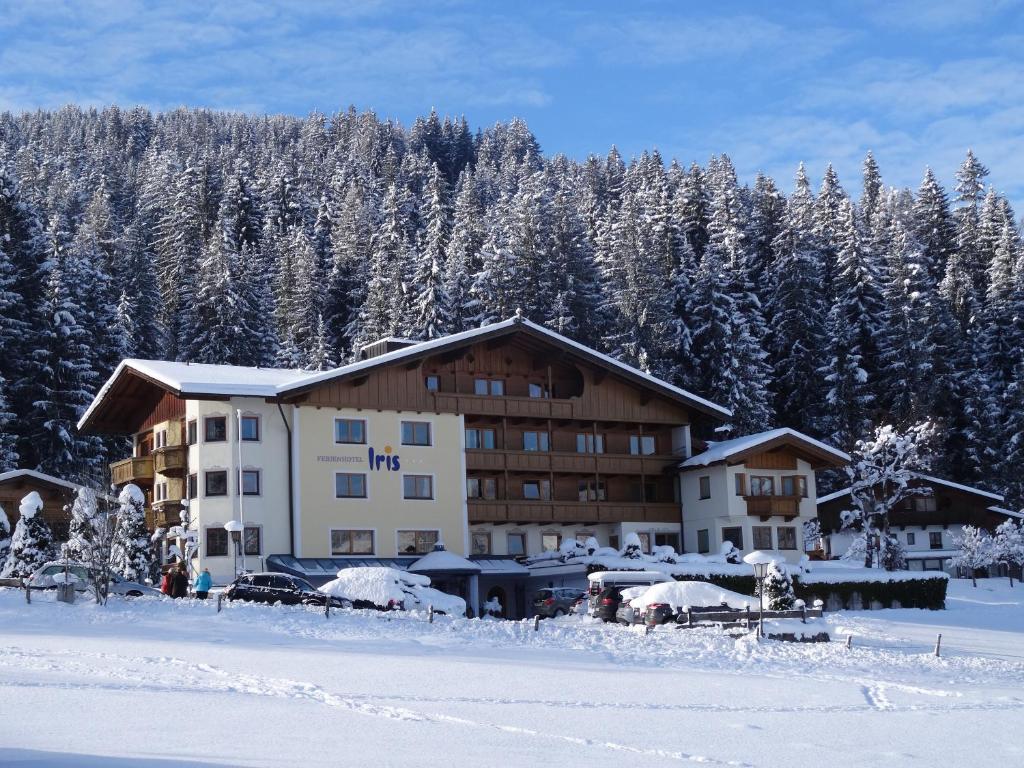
[(481, 543), (538, 390), (251, 537), (516, 543), (216, 542), (191, 432), (924, 503), (250, 482), (645, 542), (935, 540), (482, 487), (734, 535), (787, 536), (703, 542), (418, 486), (433, 383), (591, 490), (416, 542), (352, 431), (587, 442), (351, 542), (161, 439), (911, 540), (192, 490), (741, 485), (215, 429), (667, 540), (251, 428), (705, 487), (537, 489), (762, 486), (794, 485), (494, 387), (536, 441), (349, 486), (415, 433), (641, 445), (217, 483), (762, 536), (480, 438), (550, 542)]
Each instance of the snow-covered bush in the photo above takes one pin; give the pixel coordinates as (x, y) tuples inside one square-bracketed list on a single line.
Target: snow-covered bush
[(132, 551), (592, 545), (632, 549), (778, 587), (729, 552), (570, 548), (975, 550), (664, 554), (5, 536), (857, 551), (893, 556), (32, 545)]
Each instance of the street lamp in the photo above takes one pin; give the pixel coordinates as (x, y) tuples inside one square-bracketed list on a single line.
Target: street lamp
[(235, 528), (759, 561)]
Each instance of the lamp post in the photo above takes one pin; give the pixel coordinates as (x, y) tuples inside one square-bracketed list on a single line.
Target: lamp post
[(759, 561), (235, 528)]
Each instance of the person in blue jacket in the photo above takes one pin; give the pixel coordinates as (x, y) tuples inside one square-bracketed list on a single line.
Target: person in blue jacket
[(203, 584)]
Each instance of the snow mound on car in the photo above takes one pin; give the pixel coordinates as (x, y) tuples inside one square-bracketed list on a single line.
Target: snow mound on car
[(696, 594)]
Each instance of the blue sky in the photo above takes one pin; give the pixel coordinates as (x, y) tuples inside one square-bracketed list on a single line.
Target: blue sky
[(771, 84)]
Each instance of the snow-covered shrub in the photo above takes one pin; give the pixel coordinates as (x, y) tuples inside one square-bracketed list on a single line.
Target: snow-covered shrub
[(591, 545), (975, 550), (778, 587), (132, 551), (32, 545), (893, 556), (632, 549), (664, 554), (5, 536), (570, 548), (858, 550), (729, 552), (1008, 545)]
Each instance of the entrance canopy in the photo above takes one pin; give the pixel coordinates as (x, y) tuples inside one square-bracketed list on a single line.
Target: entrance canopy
[(441, 562)]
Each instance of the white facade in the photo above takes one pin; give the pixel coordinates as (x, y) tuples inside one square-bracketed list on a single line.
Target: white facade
[(712, 516), (507, 539), (927, 547)]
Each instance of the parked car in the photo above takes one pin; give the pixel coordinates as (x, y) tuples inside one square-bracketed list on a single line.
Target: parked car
[(627, 613), (601, 579), (608, 602), (665, 603), (279, 588), (554, 602), (43, 578), (390, 589)]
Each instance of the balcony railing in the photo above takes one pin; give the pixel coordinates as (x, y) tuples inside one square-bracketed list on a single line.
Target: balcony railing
[(529, 511), (164, 514), (170, 460), (137, 470), (571, 462), (769, 506)]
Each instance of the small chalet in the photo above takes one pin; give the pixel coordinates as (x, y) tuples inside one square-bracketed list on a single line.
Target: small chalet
[(55, 493)]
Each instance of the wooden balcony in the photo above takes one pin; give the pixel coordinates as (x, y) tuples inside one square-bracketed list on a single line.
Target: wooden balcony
[(568, 462), (171, 460), (769, 506), (137, 470), (514, 407), (523, 511), (164, 514)]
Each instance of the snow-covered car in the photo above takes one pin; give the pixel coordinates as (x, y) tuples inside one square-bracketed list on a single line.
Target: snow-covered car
[(627, 613), (551, 603), (389, 589), (281, 588), (48, 575), (664, 603)]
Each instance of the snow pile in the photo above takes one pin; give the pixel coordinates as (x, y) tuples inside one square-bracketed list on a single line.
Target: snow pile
[(385, 587), (695, 594)]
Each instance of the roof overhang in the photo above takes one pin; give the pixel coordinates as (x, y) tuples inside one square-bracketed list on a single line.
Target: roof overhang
[(928, 479), (816, 453)]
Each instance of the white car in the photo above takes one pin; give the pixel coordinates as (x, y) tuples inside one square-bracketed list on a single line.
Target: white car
[(389, 589), (47, 577)]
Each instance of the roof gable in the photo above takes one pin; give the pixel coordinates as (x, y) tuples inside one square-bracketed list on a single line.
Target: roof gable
[(817, 453)]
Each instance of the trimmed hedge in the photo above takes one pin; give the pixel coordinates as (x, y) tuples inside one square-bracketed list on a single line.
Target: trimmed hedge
[(926, 592)]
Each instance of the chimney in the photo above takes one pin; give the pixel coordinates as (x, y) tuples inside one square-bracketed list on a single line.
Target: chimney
[(383, 346)]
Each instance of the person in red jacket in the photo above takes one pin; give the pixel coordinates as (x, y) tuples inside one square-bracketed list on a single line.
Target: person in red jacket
[(165, 582)]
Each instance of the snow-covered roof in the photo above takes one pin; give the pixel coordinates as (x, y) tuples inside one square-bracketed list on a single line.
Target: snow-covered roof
[(201, 379), (16, 473), (1007, 512), (726, 449), (443, 561), (929, 479), (465, 336)]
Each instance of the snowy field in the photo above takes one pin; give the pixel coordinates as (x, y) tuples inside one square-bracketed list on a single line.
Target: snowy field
[(156, 683)]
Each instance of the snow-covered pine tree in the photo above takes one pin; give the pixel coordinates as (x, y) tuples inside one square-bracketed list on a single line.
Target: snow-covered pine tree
[(970, 194), (431, 308), (467, 238), (8, 438), (975, 550), (5, 536), (32, 545), (385, 304), (131, 550), (934, 226), (827, 226), (777, 588)]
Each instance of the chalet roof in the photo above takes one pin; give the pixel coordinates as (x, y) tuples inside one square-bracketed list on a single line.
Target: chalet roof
[(929, 479), (1006, 512), (739, 447), (16, 474), (505, 328)]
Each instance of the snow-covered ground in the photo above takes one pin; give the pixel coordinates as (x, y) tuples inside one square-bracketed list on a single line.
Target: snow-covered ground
[(157, 683)]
